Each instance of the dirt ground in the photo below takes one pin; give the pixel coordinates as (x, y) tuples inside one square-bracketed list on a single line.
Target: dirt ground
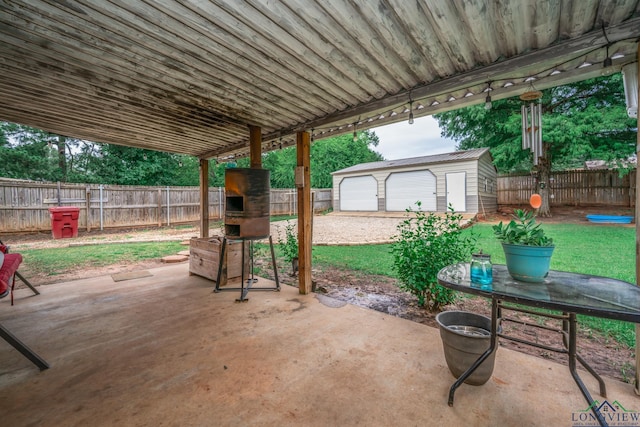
[(380, 293)]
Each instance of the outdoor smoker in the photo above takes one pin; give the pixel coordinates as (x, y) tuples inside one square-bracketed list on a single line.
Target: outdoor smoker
[(246, 217), (247, 205)]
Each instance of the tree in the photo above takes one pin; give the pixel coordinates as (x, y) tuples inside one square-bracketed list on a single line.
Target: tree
[(29, 153), (117, 164), (581, 121), (327, 156)]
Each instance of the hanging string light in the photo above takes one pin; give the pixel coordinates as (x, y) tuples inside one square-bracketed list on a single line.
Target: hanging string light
[(410, 109), (487, 101), (608, 62)]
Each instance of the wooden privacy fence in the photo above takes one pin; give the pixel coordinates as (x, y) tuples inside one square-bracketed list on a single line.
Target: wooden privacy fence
[(572, 188), (24, 205)]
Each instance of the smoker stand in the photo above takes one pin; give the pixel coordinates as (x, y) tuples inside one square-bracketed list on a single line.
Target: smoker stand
[(244, 290)]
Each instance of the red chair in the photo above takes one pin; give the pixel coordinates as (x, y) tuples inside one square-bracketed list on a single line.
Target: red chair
[(8, 273)]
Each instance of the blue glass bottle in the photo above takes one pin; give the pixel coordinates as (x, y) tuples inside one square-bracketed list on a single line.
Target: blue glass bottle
[(481, 270)]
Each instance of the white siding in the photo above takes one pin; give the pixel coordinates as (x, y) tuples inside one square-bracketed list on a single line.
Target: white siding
[(474, 183)]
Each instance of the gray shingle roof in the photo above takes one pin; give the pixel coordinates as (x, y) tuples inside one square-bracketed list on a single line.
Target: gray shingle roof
[(455, 156)]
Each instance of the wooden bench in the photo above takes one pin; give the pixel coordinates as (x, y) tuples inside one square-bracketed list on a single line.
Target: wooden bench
[(8, 273)]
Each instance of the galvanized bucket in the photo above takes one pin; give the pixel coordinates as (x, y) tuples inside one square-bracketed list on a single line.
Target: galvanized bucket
[(465, 336)]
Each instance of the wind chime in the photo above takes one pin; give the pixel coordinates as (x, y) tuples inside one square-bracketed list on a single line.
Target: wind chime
[(532, 124)]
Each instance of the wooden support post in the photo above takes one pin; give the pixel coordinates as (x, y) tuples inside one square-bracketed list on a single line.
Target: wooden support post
[(255, 147), (204, 198), (88, 204), (304, 213), (637, 385), (159, 207)]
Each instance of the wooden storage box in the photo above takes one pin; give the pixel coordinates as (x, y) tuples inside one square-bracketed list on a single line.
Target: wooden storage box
[(204, 258)]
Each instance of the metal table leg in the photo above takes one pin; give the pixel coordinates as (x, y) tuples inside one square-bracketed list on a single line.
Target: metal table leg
[(483, 356), (573, 326), (22, 348)]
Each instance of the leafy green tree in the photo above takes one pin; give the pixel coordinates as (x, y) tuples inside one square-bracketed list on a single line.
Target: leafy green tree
[(327, 156), (117, 164), (581, 121), (29, 153), (332, 154)]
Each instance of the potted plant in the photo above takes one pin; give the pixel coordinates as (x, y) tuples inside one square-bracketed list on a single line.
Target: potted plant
[(527, 249), (289, 246)]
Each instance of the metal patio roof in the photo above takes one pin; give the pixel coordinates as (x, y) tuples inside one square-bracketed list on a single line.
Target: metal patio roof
[(190, 76), (455, 156)]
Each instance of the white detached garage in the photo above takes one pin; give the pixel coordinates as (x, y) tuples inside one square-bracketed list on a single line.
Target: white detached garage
[(465, 179)]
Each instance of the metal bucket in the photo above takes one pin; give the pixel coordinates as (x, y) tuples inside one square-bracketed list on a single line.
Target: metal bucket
[(465, 336)]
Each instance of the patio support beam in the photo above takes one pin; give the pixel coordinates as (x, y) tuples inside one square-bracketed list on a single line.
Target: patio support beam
[(637, 385), (204, 198), (255, 146), (303, 183)]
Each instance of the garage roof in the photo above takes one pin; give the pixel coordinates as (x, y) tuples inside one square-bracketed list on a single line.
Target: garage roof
[(190, 76), (456, 156)]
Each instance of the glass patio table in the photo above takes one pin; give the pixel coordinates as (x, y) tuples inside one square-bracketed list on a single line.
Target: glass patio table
[(568, 293)]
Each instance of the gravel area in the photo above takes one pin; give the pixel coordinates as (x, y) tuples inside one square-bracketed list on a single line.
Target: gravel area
[(330, 229), (346, 230)]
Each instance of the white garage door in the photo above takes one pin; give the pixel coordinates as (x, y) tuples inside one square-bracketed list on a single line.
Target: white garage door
[(404, 189), (359, 193)]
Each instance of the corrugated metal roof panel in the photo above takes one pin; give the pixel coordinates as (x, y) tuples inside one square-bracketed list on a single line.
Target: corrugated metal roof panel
[(190, 77), (454, 156)]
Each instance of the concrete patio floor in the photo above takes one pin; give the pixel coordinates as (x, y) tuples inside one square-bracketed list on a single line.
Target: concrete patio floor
[(166, 351)]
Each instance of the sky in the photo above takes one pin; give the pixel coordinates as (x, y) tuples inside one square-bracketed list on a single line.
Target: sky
[(402, 140)]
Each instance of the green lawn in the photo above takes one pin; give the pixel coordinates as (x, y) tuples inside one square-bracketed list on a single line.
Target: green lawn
[(585, 248), (54, 261)]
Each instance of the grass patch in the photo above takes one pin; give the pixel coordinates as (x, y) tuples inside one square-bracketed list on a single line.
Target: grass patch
[(370, 259), (276, 218), (55, 261)]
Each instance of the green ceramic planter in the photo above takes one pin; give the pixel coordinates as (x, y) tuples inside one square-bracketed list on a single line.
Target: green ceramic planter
[(528, 263)]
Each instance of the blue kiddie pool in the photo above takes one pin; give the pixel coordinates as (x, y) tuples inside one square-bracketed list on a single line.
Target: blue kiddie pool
[(610, 219)]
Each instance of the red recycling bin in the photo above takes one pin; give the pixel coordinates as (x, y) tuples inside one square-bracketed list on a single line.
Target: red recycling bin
[(64, 221)]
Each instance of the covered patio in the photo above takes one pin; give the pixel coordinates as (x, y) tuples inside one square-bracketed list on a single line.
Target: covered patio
[(165, 350)]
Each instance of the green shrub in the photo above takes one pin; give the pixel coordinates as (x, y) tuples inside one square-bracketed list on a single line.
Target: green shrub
[(426, 243), (289, 245)]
